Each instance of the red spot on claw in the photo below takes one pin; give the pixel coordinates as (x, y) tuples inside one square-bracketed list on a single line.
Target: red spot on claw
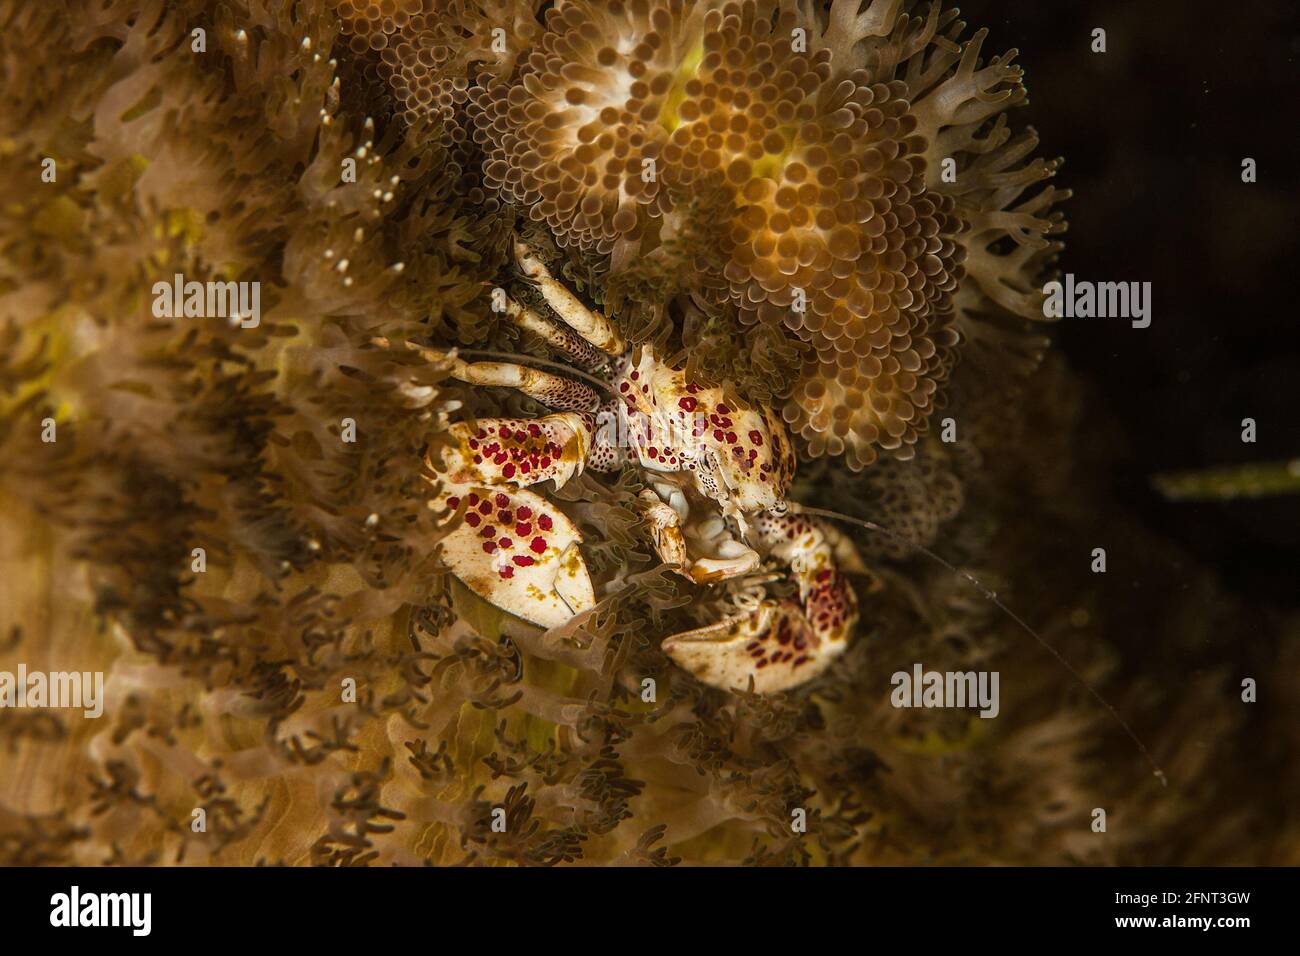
[(523, 560), (538, 545), (544, 522), (508, 471), (502, 500)]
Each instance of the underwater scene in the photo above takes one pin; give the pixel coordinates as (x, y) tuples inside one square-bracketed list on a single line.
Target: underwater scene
[(649, 433)]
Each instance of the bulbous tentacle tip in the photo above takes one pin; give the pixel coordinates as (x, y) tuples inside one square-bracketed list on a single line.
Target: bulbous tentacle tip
[(775, 645)]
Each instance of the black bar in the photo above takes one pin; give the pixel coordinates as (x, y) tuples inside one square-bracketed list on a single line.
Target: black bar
[(495, 907)]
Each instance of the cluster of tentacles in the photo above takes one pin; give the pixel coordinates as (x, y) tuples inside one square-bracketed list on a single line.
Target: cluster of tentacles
[(865, 198)]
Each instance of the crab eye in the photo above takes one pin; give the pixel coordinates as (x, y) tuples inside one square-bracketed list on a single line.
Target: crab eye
[(778, 509)]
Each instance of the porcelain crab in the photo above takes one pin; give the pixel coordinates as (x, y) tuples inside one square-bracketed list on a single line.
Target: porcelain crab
[(716, 470)]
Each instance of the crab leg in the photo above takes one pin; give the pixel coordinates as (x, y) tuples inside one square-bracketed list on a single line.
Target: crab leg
[(591, 325), (520, 451), (780, 643), (560, 337), (511, 546), (556, 391), (516, 550)]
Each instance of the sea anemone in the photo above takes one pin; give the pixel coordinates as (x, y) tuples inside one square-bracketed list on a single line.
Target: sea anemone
[(867, 187)]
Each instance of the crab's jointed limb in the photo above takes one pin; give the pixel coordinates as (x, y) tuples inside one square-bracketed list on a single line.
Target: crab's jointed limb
[(593, 326), (555, 391), (781, 643), (516, 550)]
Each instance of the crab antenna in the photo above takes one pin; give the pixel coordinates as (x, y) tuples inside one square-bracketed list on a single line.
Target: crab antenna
[(992, 596), (559, 366)]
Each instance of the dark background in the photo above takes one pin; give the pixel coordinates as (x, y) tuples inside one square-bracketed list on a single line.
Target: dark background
[(1154, 132)]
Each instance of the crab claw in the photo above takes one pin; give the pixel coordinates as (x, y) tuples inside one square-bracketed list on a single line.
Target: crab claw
[(521, 451), (775, 643), (781, 643), (519, 552)]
